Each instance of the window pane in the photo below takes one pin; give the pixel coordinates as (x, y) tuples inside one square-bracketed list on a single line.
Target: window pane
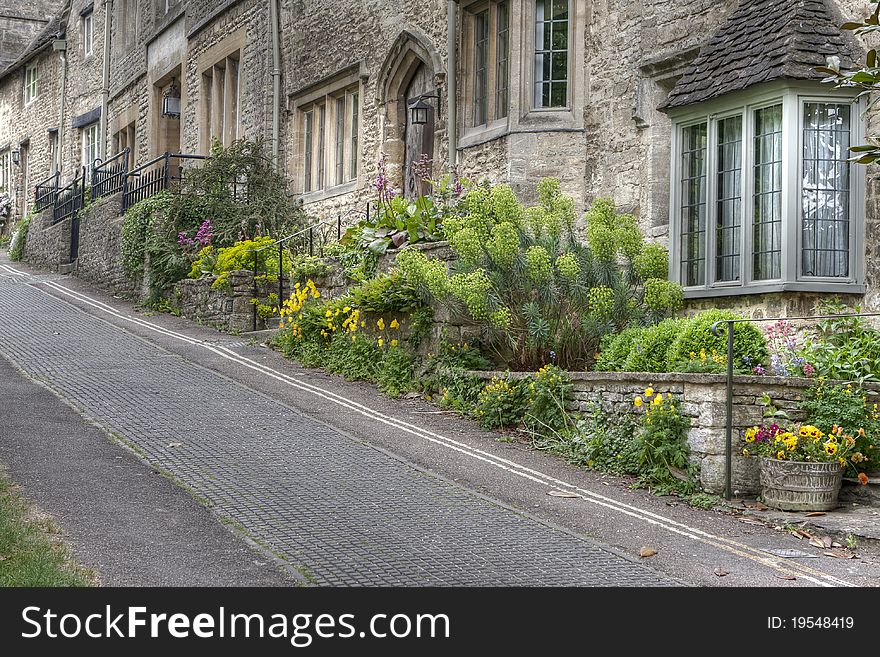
[(481, 60), (551, 53), (502, 54), (728, 220), (340, 140), (308, 138), (320, 147), (825, 190), (768, 194), (693, 205), (353, 149)]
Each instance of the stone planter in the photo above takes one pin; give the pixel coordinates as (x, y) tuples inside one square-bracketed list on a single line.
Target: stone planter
[(800, 486)]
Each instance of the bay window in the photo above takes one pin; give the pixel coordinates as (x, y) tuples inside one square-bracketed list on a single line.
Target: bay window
[(487, 63), (763, 196)]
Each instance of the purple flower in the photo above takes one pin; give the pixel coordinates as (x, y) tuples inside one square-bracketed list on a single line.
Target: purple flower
[(205, 234), (759, 370), (552, 355)]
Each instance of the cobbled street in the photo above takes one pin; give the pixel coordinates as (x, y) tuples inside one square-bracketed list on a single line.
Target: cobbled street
[(340, 512)]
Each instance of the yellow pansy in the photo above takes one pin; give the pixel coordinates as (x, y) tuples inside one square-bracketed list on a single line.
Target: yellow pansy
[(395, 324)]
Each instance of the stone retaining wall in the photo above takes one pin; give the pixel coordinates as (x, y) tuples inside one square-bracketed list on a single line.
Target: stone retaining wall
[(47, 244), (100, 238), (228, 310), (703, 399)]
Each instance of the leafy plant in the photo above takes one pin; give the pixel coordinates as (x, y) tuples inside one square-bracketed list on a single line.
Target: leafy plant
[(749, 343), (846, 348), (396, 373), (501, 403), (19, 239), (533, 287), (305, 267), (830, 405), (663, 452), (601, 440), (549, 394)]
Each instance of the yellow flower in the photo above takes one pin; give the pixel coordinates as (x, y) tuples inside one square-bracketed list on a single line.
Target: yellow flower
[(830, 448), (750, 434), (780, 455), (746, 452), (395, 324), (394, 343), (649, 392), (657, 400), (346, 309), (381, 324), (637, 402), (381, 342)]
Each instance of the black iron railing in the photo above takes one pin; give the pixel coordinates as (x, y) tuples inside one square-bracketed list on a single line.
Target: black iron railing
[(311, 239), (108, 176), (727, 325), (70, 199), (157, 175), (46, 191)]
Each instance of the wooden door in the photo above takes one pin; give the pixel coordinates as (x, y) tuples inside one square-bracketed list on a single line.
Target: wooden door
[(419, 139)]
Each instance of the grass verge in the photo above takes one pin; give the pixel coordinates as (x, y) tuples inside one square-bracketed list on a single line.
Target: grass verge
[(31, 551)]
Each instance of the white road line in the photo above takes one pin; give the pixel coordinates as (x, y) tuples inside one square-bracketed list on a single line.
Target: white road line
[(791, 568)]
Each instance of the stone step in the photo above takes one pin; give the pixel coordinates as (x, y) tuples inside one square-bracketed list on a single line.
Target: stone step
[(853, 491)]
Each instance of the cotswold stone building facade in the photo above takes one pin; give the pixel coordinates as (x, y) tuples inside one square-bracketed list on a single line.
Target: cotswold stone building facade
[(704, 118)]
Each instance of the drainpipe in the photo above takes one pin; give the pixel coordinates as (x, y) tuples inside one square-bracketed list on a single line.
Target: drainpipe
[(63, 97), (451, 85), (276, 82), (105, 88)]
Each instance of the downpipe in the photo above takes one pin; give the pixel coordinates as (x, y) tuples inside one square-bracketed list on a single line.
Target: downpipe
[(276, 82)]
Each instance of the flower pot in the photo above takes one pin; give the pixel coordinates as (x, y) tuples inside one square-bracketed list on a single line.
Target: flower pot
[(800, 486)]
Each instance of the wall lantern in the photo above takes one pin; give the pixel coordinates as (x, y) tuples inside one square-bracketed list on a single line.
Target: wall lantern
[(419, 109), (171, 101), (16, 156)]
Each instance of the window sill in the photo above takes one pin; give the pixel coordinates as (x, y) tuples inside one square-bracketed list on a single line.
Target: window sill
[(769, 288), (483, 134), (329, 192)]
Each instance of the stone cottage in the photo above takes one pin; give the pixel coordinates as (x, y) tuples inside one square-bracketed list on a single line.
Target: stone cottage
[(704, 118)]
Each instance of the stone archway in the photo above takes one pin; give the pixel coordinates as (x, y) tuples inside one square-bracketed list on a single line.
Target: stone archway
[(412, 68)]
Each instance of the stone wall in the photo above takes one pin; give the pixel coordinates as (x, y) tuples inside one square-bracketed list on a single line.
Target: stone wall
[(230, 310), (48, 244), (703, 399), (100, 237)]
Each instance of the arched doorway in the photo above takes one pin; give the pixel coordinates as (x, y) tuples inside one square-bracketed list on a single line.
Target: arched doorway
[(412, 69), (418, 139)]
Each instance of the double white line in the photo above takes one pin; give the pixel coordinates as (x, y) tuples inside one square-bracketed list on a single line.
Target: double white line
[(785, 567)]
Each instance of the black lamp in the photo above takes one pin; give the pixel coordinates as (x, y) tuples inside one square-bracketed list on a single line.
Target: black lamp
[(420, 109), (16, 156), (171, 101)]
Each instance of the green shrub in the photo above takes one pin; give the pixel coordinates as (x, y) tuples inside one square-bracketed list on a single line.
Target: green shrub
[(355, 357), (396, 373), (663, 451), (247, 255), (19, 239), (385, 293), (845, 348), (601, 440), (305, 267), (524, 276), (615, 349), (549, 395), (502, 403), (648, 350), (749, 343)]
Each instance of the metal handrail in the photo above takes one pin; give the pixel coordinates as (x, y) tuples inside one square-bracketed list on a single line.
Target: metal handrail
[(70, 199), (279, 243), (46, 191), (728, 423), (108, 176), (155, 179)]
